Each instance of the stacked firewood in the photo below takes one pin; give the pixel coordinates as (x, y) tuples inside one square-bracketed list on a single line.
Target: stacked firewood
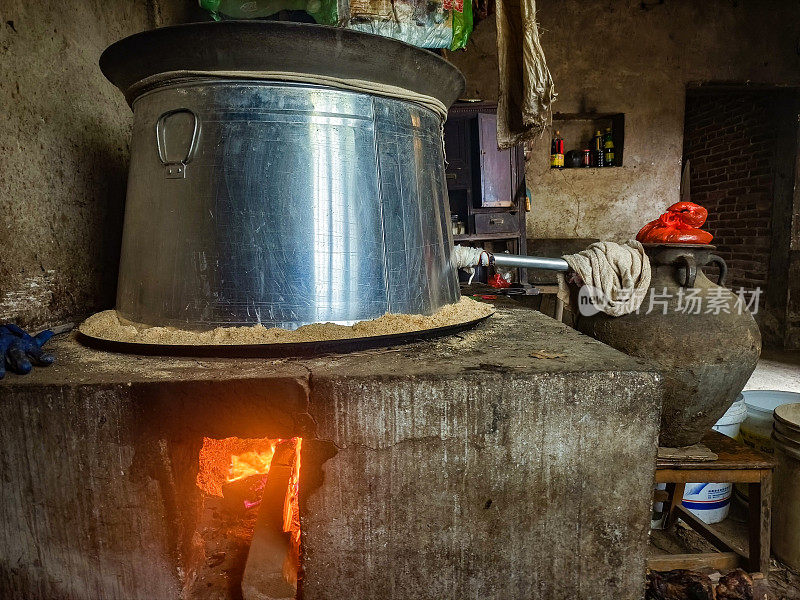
[(682, 584)]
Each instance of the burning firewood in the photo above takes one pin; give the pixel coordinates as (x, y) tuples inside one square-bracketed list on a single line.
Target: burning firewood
[(680, 584), (737, 585), (273, 560), (243, 493)]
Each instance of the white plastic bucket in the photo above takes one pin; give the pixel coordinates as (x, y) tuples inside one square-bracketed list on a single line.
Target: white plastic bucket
[(786, 494), (732, 420), (756, 430), (710, 502)]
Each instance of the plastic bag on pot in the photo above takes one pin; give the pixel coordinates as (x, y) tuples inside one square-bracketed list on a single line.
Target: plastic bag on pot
[(324, 12), (422, 23)]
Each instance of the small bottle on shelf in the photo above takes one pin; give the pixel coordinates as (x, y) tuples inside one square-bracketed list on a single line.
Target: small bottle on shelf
[(608, 148), (557, 152), (597, 150)]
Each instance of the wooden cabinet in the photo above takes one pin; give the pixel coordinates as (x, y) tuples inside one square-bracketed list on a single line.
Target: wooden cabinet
[(486, 185)]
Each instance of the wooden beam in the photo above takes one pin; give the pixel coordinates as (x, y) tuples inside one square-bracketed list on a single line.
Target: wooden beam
[(716, 539), (675, 491), (713, 560), (759, 518), (722, 475)]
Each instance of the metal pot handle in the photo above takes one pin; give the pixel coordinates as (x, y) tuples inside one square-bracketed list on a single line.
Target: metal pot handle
[(175, 169), (690, 270), (723, 268)]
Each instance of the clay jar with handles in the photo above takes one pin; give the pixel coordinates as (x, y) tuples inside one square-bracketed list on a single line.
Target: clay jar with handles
[(697, 333)]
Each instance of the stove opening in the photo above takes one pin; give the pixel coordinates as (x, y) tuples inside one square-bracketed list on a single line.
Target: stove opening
[(249, 529)]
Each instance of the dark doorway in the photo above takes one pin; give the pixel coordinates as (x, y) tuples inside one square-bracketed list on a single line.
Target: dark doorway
[(742, 144)]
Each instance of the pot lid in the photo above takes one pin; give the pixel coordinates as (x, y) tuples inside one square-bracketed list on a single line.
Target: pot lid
[(789, 415), (280, 46)]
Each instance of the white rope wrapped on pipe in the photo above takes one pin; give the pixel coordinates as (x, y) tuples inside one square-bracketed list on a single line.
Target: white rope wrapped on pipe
[(620, 273), (464, 257)]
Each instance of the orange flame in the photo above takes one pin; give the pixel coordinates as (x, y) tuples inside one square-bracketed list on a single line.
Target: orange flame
[(229, 459), (251, 463)]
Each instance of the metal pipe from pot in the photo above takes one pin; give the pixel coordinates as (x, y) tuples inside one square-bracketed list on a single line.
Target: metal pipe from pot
[(529, 262)]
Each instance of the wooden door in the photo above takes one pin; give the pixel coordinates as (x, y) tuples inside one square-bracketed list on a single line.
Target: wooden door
[(496, 185), (457, 153)]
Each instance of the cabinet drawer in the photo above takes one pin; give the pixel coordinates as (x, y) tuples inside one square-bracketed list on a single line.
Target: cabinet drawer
[(496, 223), (458, 176)]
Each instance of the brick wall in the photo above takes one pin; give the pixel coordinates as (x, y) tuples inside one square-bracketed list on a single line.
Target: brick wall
[(730, 138)]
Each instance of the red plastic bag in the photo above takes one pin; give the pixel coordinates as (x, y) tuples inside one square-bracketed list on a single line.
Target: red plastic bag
[(497, 281), (679, 225)]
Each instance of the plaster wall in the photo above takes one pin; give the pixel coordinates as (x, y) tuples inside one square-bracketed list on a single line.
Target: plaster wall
[(636, 58), (64, 153), (63, 156)]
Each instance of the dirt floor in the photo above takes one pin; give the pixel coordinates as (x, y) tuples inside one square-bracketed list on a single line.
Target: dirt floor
[(784, 584), (776, 370)]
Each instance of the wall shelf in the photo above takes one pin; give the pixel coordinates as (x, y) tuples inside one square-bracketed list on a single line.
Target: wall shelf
[(587, 168), (577, 130), (598, 172), (485, 237)]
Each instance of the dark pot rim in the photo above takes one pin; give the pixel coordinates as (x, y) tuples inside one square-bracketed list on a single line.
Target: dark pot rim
[(703, 247), (280, 46)]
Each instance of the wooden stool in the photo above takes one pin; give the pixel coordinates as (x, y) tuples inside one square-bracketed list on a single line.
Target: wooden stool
[(558, 311), (736, 463)]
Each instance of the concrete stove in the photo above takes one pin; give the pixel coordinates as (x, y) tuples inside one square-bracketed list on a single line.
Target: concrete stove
[(512, 461)]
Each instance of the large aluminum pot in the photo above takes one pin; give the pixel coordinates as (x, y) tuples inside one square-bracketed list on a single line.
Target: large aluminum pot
[(262, 201)]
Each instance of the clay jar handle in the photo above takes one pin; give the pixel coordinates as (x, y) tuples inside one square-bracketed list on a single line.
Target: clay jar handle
[(688, 273), (723, 268)]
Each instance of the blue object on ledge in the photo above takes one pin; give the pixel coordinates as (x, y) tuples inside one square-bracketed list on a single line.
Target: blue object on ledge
[(19, 350)]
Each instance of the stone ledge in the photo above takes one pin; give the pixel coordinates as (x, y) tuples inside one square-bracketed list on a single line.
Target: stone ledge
[(503, 344)]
